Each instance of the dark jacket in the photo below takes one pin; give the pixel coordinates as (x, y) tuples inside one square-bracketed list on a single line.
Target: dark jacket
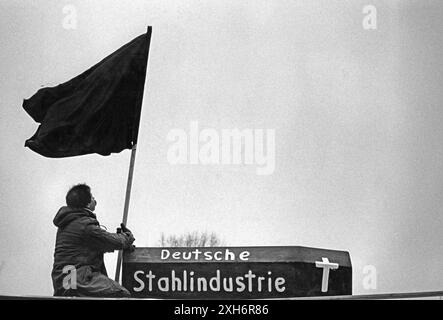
[(80, 245)]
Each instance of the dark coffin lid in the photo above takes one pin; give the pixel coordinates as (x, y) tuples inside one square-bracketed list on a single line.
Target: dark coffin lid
[(257, 254)]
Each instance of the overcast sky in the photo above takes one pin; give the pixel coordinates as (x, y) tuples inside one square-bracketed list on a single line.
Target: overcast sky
[(357, 116)]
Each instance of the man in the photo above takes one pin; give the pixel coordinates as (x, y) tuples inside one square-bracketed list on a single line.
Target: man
[(79, 269)]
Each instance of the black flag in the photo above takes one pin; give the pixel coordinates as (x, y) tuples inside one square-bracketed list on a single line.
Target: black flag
[(96, 112)]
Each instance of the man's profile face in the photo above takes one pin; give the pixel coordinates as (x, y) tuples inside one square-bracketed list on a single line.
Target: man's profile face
[(92, 204)]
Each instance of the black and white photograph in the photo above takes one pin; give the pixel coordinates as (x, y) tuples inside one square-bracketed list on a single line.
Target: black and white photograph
[(248, 151)]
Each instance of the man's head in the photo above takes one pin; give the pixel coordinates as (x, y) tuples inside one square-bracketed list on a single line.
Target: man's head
[(80, 196)]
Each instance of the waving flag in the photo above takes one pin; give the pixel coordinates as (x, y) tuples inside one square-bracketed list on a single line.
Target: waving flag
[(96, 112)]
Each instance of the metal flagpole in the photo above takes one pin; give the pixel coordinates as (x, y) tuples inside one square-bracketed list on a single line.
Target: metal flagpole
[(129, 184), (126, 209)]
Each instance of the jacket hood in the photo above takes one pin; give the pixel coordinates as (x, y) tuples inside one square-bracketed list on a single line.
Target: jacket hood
[(66, 215)]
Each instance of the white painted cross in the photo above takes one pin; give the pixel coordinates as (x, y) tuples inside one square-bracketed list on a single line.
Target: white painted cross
[(326, 265)]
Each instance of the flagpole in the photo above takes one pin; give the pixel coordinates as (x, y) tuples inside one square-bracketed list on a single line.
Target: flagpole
[(129, 183), (126, 208)]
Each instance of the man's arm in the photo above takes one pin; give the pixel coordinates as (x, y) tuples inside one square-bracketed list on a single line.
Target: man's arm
[(106, 241)]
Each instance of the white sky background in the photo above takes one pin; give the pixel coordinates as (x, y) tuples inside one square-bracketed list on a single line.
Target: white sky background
[(357, 115)]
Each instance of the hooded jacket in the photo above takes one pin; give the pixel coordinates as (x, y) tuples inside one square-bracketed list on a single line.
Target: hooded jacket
[(80, 244)]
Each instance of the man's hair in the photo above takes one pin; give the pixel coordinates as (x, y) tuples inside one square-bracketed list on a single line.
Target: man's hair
[(79, 196)]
